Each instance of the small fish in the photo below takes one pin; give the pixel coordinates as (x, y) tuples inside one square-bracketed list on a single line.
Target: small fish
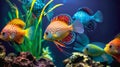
[(86, 17), (97, 53), (113, 48), (14, 31), (59, 28)]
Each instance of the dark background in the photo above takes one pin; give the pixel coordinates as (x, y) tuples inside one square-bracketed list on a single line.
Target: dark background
[(104, 32)]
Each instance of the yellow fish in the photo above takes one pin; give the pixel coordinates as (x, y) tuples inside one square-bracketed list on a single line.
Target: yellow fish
[(59, 28), (14, 31)]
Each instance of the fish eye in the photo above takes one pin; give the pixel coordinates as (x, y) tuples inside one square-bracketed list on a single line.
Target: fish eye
[(110, 46), (87, 49), (3, 33), (46, 33)]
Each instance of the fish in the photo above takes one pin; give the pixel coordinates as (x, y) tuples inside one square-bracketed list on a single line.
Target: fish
[(37, 8), (113, 48), (97, 53), (81, 40), (59, 28), (14, 31), (87, 18)]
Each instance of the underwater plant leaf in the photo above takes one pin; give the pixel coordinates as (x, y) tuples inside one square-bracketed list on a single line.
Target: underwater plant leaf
[(17, 47), (14, 7), (33, 2), (9, 15), (53, 8), (29, 14), (17, 12), (5, 20), (24, 8), (40, 42), (42, 12), (21, 15), (13, 14)]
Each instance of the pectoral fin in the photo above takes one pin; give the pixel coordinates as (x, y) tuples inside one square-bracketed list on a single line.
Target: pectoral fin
[(19, 40), (58, 43)]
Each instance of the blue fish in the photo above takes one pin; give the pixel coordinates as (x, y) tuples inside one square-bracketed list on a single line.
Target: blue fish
[(97, 53), (81, 40), (38, 6), (86, 17)]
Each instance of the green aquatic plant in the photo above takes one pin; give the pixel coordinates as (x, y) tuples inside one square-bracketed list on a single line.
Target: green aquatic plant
[(46, 53), (33, 44)]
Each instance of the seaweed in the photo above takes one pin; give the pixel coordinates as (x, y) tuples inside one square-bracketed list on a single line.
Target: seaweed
[(34, 44)]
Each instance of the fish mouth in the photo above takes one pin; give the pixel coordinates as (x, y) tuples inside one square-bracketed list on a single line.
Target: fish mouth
[(49, 39), (106, 50)]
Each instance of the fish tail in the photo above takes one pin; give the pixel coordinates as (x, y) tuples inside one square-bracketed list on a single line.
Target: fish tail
[(29, 32), (77, 27), (107, 58), (98, 16)]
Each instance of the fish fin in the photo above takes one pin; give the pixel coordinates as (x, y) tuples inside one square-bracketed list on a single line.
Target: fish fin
[(104, 58), (29, 32), (77, 27), (117, 58), (58, 43), (100, 44), (107, 58), (98, 16), (78, 47), (19, 40), (49, 16), (117, 36), (62, 17), (61, 50), (17, 22), (98, 58), (86, 9)]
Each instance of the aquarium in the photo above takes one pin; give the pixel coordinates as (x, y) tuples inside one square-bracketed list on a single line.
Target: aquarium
[(59, 33)]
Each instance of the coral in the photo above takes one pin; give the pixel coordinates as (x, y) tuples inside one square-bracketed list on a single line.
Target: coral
[(2, 55), (2, 52), (9, 59), (25, 59), (44, 62), (22, 62), (81, 60)]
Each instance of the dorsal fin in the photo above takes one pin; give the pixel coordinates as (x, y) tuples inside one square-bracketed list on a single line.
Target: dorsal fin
[(117, 36), (62, 17), (87, 10), (17, 22)]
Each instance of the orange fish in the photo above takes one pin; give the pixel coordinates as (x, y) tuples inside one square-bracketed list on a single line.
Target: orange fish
[(59, 28), (14, 31), (113, 48)]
